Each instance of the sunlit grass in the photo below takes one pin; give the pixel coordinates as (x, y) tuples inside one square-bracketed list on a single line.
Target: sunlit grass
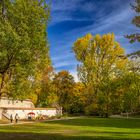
[(80, 129)]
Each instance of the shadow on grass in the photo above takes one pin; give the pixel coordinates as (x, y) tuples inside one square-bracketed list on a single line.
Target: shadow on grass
[(101, 122), (33, 136)]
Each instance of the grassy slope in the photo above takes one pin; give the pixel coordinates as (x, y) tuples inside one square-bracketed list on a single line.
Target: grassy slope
[(77, 129)]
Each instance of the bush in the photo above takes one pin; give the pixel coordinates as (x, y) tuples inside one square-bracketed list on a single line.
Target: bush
[(58, 116), (52, 117), (91, 110)]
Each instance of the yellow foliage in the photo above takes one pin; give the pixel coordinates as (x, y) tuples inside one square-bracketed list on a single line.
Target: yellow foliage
[(100, 55), (88, 36), (97, 37), (33, 98)]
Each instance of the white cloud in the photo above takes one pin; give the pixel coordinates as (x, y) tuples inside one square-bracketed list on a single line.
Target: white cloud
[(59, 5), (74, 74), (68, 63)]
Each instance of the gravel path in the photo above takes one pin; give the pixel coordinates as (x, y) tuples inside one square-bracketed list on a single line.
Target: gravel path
[(28, 122)]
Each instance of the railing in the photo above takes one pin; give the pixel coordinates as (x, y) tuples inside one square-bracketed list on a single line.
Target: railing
[(6, 115)]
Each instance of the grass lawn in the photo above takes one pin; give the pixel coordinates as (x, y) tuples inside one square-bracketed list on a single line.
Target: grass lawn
[(76, 129)]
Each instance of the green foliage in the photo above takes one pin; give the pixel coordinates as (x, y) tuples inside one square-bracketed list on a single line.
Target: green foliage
[(131, 84), (44, 87), (77, 99), (136, 21), (91, 109), (23, 44), (64, 83)]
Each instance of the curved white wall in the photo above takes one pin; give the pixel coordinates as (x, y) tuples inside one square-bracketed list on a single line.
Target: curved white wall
[(23, 114), (10, 106)]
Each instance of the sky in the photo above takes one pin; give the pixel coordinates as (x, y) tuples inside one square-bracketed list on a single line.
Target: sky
[(72, 19)]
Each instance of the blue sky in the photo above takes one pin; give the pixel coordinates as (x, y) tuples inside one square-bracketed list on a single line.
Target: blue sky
[(71, 19)]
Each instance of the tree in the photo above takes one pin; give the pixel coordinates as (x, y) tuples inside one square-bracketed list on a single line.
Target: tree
[(135, 21), (23, 42), (44, 88), (102, 59), (64, 83), (131, 83), (77, 99)]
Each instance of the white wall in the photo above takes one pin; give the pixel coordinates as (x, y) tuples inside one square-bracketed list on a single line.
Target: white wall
[(23, 114), (22, 108), (1, 113)]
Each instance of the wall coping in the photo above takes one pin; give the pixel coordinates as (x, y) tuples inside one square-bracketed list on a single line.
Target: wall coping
[(5, 98)]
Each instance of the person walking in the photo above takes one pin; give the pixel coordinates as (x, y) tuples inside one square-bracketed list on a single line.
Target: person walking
[(11, 118), (16, 118)]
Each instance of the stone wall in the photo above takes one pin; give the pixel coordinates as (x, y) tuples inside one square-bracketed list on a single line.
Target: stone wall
[(23, 113)]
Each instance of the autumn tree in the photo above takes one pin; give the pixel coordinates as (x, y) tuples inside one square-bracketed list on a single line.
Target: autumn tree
[(131, 96), (136, 21), (131, 80), (44, 88), (102, 59), (77, 100), (126, 93), (23, 43), (64, 83)]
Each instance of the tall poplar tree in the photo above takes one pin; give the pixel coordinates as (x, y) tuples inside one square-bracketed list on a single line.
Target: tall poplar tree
[(102, 59)]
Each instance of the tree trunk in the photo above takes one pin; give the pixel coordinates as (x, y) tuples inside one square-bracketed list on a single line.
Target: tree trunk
[(2, 83), (3, 7)]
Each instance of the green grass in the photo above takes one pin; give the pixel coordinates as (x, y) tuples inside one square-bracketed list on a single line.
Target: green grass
[(76, 129)]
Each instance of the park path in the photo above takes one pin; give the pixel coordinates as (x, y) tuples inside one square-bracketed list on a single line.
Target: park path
[(29, 122), (21, 122), (68, 118)]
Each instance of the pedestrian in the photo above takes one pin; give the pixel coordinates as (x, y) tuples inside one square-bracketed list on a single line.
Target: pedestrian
[(11, 118), (16, 118)]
